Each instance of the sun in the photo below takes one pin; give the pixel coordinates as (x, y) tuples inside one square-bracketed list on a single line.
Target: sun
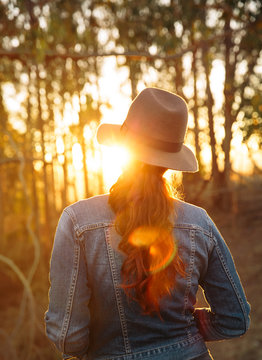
[(114, 159)]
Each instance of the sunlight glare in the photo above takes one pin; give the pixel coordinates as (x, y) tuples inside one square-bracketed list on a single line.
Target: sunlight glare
[(173, 177), (113, 160), (217, 79), (77, 155), (48, 157), (253, 142), (60, 148), (38, 165), (61, 159), (88, 133), (206, 155), (94, 160), (70, 115)]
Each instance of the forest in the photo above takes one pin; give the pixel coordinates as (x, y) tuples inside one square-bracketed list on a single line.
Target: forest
[(65, 67)]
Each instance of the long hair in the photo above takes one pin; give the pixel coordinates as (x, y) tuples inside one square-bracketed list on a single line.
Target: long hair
[(144, 209)]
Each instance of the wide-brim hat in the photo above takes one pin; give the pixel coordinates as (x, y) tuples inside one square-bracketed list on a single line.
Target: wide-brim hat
[(154, 131)]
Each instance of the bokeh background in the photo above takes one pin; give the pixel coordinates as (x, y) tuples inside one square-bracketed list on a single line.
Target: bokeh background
[(66, 66)]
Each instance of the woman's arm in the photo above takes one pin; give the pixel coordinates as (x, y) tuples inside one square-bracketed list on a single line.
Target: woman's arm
[(67, 319), (228, 315)]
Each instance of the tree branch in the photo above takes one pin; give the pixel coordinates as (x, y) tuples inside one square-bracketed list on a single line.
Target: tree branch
[(50, 55)]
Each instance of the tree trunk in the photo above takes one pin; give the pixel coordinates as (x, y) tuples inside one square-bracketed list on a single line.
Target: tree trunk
[(229, 97), (132, 76), (210, 102), (3, 121), (32, 170), (42, 130), (179, 82), (195, 110), (2, 211), (228, 102), (52, 190)]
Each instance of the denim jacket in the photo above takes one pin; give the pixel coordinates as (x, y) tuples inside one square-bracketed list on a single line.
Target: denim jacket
[(89, 315)]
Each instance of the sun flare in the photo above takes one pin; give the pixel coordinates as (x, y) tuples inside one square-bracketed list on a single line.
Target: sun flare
[(77, 155), (114, 159)]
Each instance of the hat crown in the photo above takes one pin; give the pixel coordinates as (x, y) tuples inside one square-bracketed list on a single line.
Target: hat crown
[(159, 114)]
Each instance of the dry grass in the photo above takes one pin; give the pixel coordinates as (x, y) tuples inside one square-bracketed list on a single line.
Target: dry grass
[(242, 230)]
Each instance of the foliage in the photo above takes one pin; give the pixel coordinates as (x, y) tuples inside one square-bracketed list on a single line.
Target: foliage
[(253, 118)]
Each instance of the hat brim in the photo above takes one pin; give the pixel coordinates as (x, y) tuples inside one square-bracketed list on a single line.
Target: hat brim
[(183, 160)]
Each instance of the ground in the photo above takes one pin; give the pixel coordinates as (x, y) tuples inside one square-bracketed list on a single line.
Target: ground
[(242, 229)]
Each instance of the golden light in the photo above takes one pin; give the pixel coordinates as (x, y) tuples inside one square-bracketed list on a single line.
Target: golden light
[(239, 152), (70, 115), (206, 156), (113, 160), (38, 165), (77, 155), (144, 236), (60, 147), (88, 133), (160, 260), (217, 78), (61, 159), (162, 248), (48, 157), (94, 160), (174, 178), (253, 143)]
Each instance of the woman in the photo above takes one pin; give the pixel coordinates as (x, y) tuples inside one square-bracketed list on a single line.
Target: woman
[(126, 266)]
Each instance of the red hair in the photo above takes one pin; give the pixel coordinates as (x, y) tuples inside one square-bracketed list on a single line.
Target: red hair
[(143, 206)]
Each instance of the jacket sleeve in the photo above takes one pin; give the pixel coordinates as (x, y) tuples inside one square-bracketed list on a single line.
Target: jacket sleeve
[(228, 315), (67, 318)]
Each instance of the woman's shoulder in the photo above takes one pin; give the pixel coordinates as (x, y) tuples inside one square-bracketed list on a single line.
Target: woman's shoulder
[(92, 211), (188, 208), (191, 215)]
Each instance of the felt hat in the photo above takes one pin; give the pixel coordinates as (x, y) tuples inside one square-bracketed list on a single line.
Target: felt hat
[(154, 131)]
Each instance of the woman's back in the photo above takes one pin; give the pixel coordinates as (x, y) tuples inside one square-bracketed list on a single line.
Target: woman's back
[(117, 326)]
